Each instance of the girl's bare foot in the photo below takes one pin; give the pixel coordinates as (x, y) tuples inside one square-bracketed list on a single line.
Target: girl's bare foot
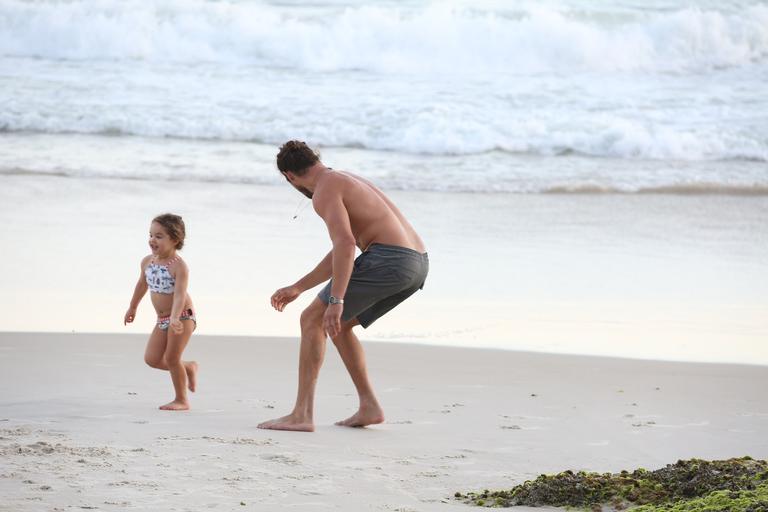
[(191, 368), (175, 406)]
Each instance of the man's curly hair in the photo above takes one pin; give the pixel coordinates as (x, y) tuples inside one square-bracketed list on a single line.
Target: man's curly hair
[(295, 156)]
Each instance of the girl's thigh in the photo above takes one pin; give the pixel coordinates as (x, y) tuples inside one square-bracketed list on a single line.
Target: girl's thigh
[(156, 345), (178, 342)]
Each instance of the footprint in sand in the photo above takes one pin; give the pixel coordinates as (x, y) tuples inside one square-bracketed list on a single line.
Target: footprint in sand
[(16, 432), (255, 442), (282, 459)]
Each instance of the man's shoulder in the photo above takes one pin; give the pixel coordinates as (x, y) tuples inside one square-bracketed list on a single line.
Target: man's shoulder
[(327, 192), (333, 184), (340, 178)]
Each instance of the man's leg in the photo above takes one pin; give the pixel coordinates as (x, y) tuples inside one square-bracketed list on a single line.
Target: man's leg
[(352, 354), (310, 359)]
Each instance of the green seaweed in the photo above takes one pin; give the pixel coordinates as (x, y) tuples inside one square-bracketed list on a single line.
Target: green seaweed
[(738, 485), (718, 501)]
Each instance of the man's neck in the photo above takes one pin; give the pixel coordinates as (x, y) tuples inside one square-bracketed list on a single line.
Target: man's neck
[(314, 175)]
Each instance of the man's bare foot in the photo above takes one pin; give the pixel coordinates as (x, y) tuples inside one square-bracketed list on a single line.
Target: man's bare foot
[(363, 417), (191, 368), (289, 422), (175, 406)]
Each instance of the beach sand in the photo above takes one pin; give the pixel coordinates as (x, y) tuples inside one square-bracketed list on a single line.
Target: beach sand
[(80, 428)]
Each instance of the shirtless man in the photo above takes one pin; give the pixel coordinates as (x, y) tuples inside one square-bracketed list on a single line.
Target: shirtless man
[(392, 266)]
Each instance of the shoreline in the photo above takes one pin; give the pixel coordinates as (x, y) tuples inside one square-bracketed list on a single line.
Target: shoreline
[(252, 164), (415, 344)]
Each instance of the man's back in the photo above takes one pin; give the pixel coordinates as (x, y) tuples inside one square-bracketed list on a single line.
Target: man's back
[(372, 215)]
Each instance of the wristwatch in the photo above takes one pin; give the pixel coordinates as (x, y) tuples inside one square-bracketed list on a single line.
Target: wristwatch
[(334, 300)]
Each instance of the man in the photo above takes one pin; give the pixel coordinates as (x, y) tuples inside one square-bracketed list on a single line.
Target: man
[(392, 266)]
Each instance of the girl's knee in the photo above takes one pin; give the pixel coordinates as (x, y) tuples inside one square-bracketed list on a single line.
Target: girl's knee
[(154, 362), (172, 360)]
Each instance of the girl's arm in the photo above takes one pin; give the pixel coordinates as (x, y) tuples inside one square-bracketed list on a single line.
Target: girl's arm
[(179, 296), (138, 293)]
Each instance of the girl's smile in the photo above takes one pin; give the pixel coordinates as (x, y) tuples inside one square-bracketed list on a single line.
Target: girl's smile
[(160, 242)]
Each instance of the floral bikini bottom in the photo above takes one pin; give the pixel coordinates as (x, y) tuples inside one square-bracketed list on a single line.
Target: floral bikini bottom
[(164, 322)]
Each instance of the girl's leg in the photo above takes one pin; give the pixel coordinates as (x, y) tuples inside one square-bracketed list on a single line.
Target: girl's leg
[(173, 350), (154, 355)]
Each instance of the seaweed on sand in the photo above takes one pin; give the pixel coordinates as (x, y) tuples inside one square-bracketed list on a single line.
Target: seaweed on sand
[(733, 485)]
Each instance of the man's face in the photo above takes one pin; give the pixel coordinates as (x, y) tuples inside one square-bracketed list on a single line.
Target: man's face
[(290, 178)]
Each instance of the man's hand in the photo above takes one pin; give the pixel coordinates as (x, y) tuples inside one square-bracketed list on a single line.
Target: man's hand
[(332, 319), (284, 296), (129, 316)]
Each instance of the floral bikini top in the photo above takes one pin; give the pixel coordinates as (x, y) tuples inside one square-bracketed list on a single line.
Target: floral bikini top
[(159, 278)]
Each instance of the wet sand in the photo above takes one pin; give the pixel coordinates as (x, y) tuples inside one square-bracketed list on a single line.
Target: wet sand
[(645, 276)]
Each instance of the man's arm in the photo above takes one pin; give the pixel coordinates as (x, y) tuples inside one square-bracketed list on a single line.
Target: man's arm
[(321, 273), (331, 209), (329, 205)]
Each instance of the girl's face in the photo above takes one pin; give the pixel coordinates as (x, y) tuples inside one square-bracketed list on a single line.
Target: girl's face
[(159, 241)]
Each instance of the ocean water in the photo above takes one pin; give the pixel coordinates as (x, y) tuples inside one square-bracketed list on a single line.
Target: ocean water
[(590, 177), (527, 97)]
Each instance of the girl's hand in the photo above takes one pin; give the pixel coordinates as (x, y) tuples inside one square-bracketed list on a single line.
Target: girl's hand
[(176, 326), (129, 316), (284, 296)]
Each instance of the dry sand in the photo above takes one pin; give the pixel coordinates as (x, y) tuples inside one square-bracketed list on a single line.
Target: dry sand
[(80, 429)]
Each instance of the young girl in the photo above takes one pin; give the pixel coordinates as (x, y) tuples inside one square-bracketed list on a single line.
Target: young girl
[(166, 275)]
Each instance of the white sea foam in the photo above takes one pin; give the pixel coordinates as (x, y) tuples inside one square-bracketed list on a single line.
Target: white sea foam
[(415, 129), (419, 38), (668, 81)]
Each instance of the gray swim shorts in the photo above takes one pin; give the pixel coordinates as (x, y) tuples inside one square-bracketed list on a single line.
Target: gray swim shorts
[(382, 277)]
